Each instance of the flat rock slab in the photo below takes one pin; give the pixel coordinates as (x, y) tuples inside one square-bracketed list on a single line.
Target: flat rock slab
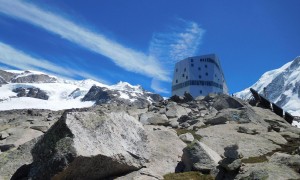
[(220, 136), (268, 170)]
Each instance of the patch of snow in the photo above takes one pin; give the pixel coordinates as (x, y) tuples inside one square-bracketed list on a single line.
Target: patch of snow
[(296, 123), (124, 95), (27, 102), (124, 86)]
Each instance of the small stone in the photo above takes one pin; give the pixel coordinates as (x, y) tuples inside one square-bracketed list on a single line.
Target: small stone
[(231, 151), (230, 164), (3, 135), (187, 137), (174, 124), (6, 147), (40, 128), (185, 125)]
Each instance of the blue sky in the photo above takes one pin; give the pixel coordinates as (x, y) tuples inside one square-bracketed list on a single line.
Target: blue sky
[(140, 41)]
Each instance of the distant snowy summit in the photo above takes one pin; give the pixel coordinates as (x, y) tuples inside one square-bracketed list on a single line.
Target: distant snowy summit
[(282, 86), (32, 89)]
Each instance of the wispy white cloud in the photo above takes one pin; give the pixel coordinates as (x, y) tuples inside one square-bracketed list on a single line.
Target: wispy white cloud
[(178, 42), (12, 57), (122, 56), (165, 48), (157, 86)]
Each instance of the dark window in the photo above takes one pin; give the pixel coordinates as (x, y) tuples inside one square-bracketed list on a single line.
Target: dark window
[(186, 77), (199, 68), (200, 91), (176, 80), (192, 65), (206, 74), (184, 69), (176, 70), (215, 75), (182, 75), (192, 60), (205, 66), (200, 77)]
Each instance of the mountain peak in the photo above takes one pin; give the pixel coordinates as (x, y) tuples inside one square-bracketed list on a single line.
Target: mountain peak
[(282, 86)]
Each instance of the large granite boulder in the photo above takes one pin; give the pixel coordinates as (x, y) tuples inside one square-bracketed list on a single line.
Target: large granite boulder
[(165, 154), (199, 157), (154, 119), (220, 136), (232, 160), (245, 115), (176, 111), (90, 145), (224, 101)]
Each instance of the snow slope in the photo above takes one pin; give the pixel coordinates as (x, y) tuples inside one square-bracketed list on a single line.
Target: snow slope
[(63, 94), (282, 87)]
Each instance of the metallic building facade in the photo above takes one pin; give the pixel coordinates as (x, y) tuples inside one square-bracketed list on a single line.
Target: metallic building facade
[(199, 76)]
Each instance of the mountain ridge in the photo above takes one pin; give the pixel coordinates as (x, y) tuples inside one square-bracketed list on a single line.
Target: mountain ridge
[(281, 86), (38, 90)]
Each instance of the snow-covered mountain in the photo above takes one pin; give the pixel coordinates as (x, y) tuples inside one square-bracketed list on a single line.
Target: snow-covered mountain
[(282, 87), (32, 89)]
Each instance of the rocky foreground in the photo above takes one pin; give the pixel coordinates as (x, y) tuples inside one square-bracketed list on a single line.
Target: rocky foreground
[(220, 136)]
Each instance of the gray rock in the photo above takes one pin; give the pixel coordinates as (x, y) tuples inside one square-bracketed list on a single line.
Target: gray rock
[(217, 120), (21, 135), (285, 159), (2, 81), (231, 164), (90, 145), (259, 174), (174, 123), (187, 137), (199, 157), (154, 119), (3, 135), (224, 101), (199, 98), (242, 129), (232, 160), (221, 136), (231, 151), (185, 125), (12, 160), (40, 128), (135, 112), (165, 153), (34, 78), (174, 111), (267, 170), (104, 95), (6, 76), (289, 134), (76, 93), (154, 97), (197, 126), (6, 147), (31, 92)]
